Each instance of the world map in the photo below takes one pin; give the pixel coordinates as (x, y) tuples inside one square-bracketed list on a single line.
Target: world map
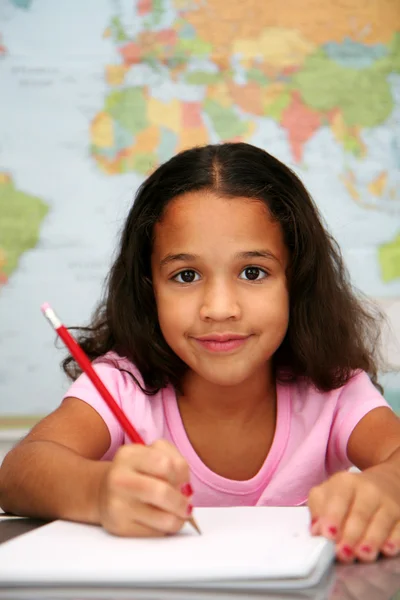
[(97, 95)]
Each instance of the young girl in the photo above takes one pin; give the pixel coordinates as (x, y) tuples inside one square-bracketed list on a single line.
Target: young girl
[(233, 341)]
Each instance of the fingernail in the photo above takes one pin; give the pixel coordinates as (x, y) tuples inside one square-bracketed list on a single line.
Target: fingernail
[(347, 551), (189, 509), (187, 490), (368, 552), (314, 526), (332, 530), (390, 547)]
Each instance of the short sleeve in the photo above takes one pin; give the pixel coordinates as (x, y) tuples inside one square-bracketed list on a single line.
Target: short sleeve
[(115, 381), (357, 398)]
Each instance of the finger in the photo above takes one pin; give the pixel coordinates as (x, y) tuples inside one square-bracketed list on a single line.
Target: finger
[(118, 520), (391, 546), (153, 461), (315, 503), (132, 518), (180, 464), (333, 512), (135, 486), (151, 517), (378, 530), (358, 520), (329, 504), (133, 529)]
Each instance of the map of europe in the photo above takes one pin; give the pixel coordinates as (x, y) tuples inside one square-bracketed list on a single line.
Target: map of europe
[(98, 94)]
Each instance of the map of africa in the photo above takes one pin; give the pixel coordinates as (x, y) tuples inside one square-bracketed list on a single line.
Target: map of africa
[(95, 95)]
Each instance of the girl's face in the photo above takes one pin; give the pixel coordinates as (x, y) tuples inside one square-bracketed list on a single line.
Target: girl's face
[(219, 276)]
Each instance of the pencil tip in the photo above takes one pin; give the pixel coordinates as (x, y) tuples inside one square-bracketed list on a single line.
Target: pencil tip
[(194, 525)]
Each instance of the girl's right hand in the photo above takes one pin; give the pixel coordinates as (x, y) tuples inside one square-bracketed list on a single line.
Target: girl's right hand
[(145, 491)]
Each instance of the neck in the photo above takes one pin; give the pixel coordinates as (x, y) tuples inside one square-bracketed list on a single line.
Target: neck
[(220, 402)]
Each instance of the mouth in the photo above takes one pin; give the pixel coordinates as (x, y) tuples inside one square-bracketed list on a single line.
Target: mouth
[(224, 342)]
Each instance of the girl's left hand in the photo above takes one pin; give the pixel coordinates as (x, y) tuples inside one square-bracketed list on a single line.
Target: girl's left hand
[(360, 512)]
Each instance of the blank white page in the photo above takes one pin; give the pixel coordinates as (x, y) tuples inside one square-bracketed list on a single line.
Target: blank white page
[(244, 546)]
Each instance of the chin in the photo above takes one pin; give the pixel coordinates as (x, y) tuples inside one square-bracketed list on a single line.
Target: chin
[(226, 379)]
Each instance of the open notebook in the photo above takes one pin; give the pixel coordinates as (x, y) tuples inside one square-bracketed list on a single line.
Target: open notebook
[(241, 548)]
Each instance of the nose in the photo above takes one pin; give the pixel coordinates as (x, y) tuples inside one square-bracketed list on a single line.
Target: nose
[(220, 302)]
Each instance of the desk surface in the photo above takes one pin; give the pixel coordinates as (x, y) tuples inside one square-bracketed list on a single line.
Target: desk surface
[(378, 581)]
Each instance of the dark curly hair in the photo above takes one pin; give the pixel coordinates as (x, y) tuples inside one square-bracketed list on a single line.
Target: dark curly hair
[(332, 332)]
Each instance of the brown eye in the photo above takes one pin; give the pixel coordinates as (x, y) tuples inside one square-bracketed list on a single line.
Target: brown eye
[(187, 276), (253, 274)]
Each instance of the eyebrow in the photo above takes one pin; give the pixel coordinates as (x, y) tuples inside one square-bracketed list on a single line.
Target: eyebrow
[(257, 254), (177, 257), (184, 257)]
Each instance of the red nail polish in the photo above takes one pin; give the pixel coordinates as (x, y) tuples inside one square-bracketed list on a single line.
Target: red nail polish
[(347, 551), (332, 530), (366, 549), (313, 521), (189, 509), (390, 545), (187, 490)]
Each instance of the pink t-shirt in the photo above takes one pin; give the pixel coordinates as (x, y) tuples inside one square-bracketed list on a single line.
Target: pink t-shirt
[(311, 435)]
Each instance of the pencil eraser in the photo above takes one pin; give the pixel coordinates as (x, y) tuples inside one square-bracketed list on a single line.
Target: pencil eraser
[(45, 306)]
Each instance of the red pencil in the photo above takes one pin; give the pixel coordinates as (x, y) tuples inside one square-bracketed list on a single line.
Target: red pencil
[(86, 366)]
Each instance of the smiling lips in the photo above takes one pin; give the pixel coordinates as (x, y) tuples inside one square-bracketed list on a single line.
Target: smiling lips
[(223, 342)]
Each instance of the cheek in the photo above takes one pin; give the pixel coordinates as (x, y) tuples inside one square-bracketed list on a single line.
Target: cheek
[(274, 311), (168, 317), (173, 314)]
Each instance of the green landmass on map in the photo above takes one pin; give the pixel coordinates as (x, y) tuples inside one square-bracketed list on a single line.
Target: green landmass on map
[(363, 95), (21, 216), (389, 260), (302, 83)]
